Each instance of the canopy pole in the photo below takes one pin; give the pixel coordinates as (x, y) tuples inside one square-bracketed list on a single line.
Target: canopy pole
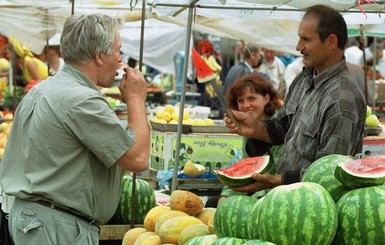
[(182, 96), (133, 192)]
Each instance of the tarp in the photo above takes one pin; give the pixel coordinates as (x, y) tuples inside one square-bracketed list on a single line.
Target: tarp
[(270, 23)]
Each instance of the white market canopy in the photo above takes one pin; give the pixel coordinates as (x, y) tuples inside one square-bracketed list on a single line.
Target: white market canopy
[(270, 23)]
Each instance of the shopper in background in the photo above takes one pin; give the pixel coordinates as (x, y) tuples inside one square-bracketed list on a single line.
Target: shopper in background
[(67, 147), (256, 96), (251, 57), (51, 55), (324, 110), (275, 69), (32, 68)]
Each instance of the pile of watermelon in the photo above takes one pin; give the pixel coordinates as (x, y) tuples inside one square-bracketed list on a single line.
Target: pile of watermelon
[(340, 200)]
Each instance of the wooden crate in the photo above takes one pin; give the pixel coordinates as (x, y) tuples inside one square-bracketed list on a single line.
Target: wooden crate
[(115, 232)]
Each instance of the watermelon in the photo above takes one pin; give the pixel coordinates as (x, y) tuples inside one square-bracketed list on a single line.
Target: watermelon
[(361, 217), (144, 200), (298, 214), (257, 242), (253, 223), (203, 71), (231, 217), (229, 241), (202, 240), (321, 172), (364, 172), (239, 173)]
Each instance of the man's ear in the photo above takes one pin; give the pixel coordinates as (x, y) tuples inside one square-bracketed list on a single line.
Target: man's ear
[(98, 58), (332, 41)]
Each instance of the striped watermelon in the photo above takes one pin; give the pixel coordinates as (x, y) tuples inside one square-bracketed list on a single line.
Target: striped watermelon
[(202, 240), (231, 217), (144, 200), (361, 217), (229, 241), (239, 174), (257, 242), (296, 214), (364, 172), (321, 172), (253, 223)]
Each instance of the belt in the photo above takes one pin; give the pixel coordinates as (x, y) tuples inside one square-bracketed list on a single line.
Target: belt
[(68, 211)]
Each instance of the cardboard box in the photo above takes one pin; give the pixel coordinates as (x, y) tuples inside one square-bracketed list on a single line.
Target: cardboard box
[(214, 151)]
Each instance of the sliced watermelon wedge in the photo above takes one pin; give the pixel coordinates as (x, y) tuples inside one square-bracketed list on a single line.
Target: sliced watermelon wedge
[(239, 174), (203, 71), (364, 172)]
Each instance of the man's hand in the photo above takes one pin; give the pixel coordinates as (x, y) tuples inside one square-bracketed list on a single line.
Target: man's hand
[(262, 182), (133, 86)]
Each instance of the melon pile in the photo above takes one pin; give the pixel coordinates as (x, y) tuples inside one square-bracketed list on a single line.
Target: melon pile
[(340, 200), (185, 218)]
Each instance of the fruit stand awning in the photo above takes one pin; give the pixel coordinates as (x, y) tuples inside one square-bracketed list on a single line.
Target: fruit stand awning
[(267, 22)]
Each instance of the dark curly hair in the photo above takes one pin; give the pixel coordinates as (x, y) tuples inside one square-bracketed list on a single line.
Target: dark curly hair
[(257, 84)]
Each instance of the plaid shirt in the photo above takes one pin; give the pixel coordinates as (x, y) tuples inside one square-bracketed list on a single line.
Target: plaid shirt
[(323, 114)]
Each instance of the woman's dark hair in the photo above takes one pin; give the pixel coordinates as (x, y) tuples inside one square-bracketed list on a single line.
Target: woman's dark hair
[(258, 84)]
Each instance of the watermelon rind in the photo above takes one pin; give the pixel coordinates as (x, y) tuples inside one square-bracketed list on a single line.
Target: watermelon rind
[(144, 200), (202, 240), (229, 241), (302, 213), (258, 242), (372, 172), (321, 171), (361, 217), (232, 176), (232, 216)]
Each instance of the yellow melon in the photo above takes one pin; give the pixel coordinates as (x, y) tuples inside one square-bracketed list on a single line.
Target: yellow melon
[(152, 216), (131, 235), (142, 237), (206, 214), (148, 240), (192, 231), (166, 216), (186, 201), (170, 230), (210, 224)]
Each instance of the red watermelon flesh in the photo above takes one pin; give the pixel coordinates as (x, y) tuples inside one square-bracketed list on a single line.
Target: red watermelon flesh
[(203, 71), (239, 174), (362, 172)]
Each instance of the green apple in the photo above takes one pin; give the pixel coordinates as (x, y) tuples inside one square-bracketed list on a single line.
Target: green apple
[(372, 121), (368, 111)]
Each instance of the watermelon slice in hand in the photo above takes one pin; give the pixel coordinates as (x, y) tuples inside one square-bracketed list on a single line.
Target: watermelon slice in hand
[(364, 172), (239, 174), (203, 71)]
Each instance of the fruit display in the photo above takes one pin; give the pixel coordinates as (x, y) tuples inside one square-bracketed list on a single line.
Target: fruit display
[(321, 172), (371, 120), (5, 128), (231, 216), (178, 223), (4, 65), (299, 213), (169, 114), (239, 173), (144, 200), (363, 172), (193, 169), (361, 217)]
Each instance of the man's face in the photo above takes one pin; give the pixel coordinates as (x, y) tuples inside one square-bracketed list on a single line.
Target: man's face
[(254, 58), (111, 63), (315, 53)]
